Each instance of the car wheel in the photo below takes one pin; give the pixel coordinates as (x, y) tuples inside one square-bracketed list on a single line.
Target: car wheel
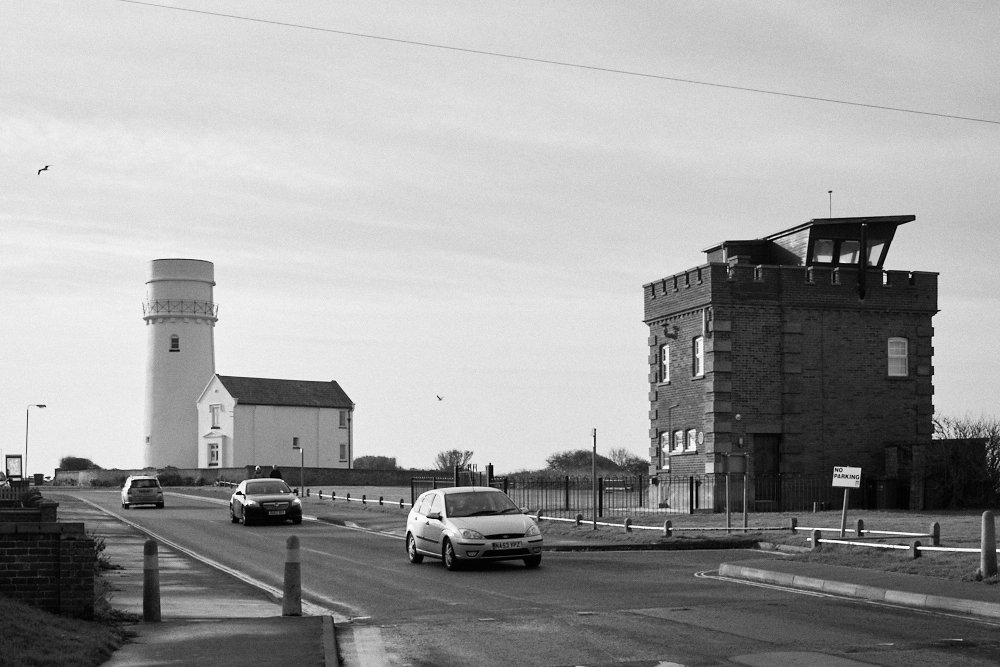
[(296, 520), (245, 518), (124, 506), (412, 554), (159, 506), (531, 562), (232, 515), (450, 557)]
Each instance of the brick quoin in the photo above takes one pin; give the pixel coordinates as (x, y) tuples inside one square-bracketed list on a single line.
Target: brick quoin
[(796, 344)]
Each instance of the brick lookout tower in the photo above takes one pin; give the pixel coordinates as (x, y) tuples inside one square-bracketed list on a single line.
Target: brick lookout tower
[(789, 355), (180, 357)]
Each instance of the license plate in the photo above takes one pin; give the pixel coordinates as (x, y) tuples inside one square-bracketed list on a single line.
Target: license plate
[(276, 512), (514, 544)]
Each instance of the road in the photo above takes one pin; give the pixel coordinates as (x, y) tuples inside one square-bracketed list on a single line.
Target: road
[(579, 608)]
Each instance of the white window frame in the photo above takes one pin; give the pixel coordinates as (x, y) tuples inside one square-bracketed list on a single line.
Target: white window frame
[(665, 364), (698, 356), (343, 451), (678, 441), (213, 454), (692, 440), (343, 419), (216, 411), (898, 352)]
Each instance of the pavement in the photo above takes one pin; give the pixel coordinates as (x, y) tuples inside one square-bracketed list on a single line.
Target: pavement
[(208, 618)]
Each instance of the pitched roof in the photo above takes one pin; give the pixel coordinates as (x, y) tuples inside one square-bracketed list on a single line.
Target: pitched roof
[(297, 393)]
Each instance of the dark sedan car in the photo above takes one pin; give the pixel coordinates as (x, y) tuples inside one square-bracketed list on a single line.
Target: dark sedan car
[(260, 500)]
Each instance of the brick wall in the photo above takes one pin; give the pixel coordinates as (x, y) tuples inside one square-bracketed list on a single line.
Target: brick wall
[(798, 355), (48, 565)]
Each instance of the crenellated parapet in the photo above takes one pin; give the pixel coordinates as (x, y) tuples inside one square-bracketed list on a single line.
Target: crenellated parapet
[(802, 286)]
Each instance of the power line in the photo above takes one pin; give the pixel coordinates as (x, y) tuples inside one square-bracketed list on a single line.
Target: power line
[(560, 63)]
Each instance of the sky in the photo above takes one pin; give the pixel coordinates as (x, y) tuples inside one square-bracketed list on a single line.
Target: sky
[(463, 198)]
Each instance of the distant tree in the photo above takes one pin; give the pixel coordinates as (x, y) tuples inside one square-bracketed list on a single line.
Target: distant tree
[(579, 461), (77, 463), (984, 427), (628, 462), (375, 463), (447, 460)]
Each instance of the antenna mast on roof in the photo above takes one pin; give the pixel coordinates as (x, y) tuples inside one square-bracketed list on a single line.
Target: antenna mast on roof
[(830, 195)]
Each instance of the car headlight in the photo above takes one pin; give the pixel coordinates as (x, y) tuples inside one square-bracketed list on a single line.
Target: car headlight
[(532, 531), (250, 503), (470, 534), (296, 501)]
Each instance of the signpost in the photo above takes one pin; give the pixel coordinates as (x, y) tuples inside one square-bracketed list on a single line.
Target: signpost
[(848, 478)]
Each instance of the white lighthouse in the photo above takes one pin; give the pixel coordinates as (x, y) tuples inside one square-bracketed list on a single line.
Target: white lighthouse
[(180, 357)]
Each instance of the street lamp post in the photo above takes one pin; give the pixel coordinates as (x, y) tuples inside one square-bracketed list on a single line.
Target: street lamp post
[(27, 415)]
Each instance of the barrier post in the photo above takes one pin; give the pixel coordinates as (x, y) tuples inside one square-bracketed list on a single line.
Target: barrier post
[(150, 582), (936, 534), (291, 602), (988, 547), (861, 527), (667, 528), (628, 525), (915, 549), (815, 540)]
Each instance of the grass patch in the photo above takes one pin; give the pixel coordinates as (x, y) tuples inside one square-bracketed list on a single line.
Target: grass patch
[(32, 637)]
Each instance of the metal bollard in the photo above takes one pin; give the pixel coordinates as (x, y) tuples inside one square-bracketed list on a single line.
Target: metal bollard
[(915, 549), (628, 525), (321, 494), (816, 535), (861, 527), (400, 503), (150, 582), (936, 534), (795, 525), (538, 515), (668, 528), (291, 602), (988, 547), (380, 501), (364, 499), (579, 519)]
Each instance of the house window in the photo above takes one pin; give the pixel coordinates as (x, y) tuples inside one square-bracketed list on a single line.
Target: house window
[(343, 452), (899, 365), (343, 419), (665, 442), (698, 356), (216, 412), (664, 363), (213, 454), (692, 440), (175, 343), (678, 441)]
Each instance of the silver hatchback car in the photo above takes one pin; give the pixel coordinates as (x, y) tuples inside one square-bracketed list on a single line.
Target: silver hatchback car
[(471, 523), (142, 490)]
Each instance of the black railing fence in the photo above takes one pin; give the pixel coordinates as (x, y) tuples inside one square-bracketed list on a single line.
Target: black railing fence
[(569, 495)]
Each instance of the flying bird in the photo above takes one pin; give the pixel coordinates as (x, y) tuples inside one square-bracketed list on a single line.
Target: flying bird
[(440, 398), (45, 168)]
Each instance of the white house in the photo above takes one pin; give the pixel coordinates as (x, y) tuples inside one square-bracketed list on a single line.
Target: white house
[(257, 421)]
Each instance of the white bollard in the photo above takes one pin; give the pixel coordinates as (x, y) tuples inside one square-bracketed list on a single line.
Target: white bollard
[(988, 547), (291, 604)]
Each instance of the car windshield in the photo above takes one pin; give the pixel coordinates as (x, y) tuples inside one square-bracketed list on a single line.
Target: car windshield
[(270, 486), (478, 503)]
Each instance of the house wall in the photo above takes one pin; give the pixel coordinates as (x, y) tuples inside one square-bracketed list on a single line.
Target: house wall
[(262, 434), (798, 356)]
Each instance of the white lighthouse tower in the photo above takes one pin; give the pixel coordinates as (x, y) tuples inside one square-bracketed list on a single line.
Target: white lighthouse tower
[(180, 357)]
